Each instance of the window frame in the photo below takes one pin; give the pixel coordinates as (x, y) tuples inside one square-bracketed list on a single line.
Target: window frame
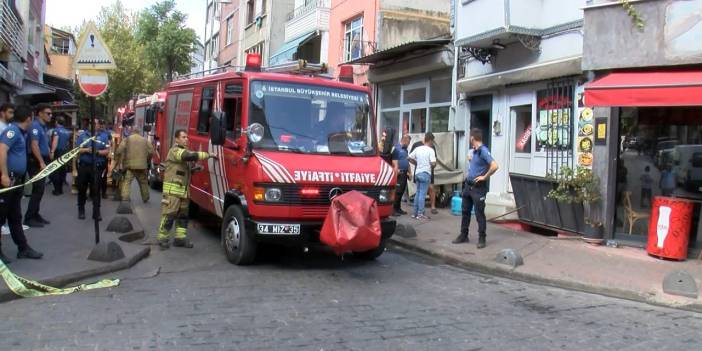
[(236, 133), (348, 40), (230, 30), (250, 12), (200, 112)]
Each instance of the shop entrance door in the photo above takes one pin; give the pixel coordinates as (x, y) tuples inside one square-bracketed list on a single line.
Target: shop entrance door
[(480, 115), (521, 146)]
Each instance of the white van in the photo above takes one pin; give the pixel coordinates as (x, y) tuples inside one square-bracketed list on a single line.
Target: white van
[(687, 161)]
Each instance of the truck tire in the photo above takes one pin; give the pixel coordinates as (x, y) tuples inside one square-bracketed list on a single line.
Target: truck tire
[(372, 254), (239, 247)]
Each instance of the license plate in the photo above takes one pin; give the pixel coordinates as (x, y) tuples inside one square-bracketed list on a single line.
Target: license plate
[(279, 229)]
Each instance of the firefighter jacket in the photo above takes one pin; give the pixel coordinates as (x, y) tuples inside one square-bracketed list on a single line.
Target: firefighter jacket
[(176, 179), (134, 152)]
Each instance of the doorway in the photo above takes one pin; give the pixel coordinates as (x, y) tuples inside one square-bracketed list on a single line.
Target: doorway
[(480, 116)]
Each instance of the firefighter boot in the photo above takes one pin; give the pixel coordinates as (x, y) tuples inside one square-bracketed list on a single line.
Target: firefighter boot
[(181, 240)]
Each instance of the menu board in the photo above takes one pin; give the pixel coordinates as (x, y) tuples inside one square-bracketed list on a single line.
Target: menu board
[(554, 129), (586, 131)]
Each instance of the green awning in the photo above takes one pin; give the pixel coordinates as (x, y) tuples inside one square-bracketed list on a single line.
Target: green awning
[(286, 52)]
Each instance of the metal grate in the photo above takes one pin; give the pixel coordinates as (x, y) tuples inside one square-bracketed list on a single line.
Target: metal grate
[(557, 102), (292, 194)]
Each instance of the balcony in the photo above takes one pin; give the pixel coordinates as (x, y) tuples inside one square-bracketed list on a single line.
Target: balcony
[(313, 16), (495, 23), (355, 49), (12, 32)]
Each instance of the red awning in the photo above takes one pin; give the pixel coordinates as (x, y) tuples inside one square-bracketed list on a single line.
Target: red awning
[(671, 88)]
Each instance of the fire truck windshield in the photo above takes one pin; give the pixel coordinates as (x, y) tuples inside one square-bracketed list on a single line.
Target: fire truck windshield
[(311, 118)]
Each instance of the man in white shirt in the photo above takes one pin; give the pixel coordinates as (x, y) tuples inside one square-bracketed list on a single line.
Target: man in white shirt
[(424, 159)]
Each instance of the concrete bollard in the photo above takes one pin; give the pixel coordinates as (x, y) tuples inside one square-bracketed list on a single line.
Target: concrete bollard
[(509, 257), (680, 283)]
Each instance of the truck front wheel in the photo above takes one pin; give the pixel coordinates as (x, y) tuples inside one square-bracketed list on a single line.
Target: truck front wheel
[(239, 247), (372, 254)]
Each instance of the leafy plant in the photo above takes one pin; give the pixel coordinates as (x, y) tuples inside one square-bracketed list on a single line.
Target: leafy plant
[(631, 10), (578, 185)]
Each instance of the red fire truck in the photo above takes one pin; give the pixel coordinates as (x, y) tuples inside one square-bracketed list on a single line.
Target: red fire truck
[(287, 145)]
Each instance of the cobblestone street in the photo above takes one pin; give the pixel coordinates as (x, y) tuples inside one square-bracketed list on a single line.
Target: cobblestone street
[(317, 302)]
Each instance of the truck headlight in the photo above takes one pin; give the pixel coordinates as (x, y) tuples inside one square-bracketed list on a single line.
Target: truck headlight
[(386, 195), (273, 194)]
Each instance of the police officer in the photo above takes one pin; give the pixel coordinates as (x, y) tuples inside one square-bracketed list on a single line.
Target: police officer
[(13, 166), (38, 150), (481, 167), (134, 152), (86, 177), (176, 182), (60, 140), (105, 136), (400, 163)]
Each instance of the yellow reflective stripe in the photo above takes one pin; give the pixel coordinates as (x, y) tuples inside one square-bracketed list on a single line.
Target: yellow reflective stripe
[(178, 154), (173, 188), (202, 155), (180, 233)]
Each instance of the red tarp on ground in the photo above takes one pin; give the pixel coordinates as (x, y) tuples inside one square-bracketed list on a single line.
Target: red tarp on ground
[(646, 88), (352, 224)]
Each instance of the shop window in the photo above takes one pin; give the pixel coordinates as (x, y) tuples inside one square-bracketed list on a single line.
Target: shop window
[(522, 129), (554, 119), (390, 119), (418, 121), (206, 104), (390, 96), (414, 96), (660, 154), (440, 90), (439, 119)]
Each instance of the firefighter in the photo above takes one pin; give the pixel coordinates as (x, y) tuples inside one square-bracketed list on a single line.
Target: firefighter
[(176, 182), (134, 153)]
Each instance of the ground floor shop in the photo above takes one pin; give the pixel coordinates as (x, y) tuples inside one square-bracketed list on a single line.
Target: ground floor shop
[(531, 128), (654, 148)]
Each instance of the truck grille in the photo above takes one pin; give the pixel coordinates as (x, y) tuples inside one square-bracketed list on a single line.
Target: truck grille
[(292, 193)]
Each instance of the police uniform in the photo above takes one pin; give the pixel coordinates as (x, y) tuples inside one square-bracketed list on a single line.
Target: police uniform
[(474, 194), (38, 133), (176, 194), (59, 176), (104, 136), (86, 177), (11, 209), (135, 152)]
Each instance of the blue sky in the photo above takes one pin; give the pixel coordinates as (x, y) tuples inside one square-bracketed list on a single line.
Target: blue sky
[(58, 14)]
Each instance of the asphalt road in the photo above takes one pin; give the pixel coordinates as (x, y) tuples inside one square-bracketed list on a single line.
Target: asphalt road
[(184, 299)]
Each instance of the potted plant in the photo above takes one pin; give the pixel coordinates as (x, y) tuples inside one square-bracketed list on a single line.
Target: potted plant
[(581, 186)]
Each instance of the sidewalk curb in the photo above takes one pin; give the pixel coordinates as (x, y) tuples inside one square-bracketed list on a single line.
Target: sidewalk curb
[(70, 278), (482, 268)]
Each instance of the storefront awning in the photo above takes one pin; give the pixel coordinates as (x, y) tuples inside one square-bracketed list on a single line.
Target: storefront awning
[(651, 88), (286, 52)]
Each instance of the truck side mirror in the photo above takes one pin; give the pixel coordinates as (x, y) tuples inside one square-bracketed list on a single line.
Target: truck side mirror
[(217, 130)]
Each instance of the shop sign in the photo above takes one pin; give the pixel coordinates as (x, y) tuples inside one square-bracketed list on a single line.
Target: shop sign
[(600, 131), (524, 139)]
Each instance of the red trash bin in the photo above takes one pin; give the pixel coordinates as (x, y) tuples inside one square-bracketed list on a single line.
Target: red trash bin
[(669, 227)]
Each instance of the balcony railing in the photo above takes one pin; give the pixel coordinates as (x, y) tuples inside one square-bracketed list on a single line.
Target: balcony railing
[(309, 6), (11, 30), (356, 49)]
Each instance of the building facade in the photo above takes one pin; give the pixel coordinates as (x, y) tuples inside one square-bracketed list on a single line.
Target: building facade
[(646, 99), (518, 78), (306, 33), (229, 35), (211, 35), (263, 27)]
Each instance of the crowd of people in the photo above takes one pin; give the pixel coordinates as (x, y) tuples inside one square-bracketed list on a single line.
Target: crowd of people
[(479, 167), (31, 139)]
